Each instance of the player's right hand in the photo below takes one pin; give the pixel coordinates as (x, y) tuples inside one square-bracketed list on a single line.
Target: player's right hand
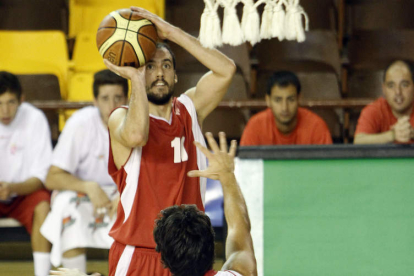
[(98, 197), (402, 130)]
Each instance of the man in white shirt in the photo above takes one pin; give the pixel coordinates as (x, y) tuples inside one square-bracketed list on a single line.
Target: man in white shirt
[(25, 155), (83, 210)]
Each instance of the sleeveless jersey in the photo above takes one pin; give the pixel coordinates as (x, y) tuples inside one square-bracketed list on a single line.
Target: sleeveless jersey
[(155, 176)]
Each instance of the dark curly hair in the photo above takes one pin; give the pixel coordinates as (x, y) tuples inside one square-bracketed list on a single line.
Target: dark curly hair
[(185, 239), (10, 83)]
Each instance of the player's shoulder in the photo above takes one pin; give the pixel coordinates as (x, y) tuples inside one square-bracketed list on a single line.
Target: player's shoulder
[(262, 116), (31, 113), (309, 116), (376, 109), (84, 115)]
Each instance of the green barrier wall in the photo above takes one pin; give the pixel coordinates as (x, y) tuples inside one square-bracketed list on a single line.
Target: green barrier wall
[(339, 217)]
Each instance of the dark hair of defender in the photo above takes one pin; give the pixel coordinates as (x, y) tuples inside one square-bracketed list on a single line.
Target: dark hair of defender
[(185, 239), (10, 83), (283, 79), (105, 77)]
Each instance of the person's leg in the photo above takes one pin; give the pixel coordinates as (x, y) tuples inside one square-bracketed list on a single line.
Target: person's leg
[(75, 258), (40, 245)]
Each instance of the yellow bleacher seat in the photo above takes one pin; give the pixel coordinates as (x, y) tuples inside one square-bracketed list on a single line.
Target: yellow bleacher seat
[(86, 15), (35, 52), (80, 90), (86, 57)]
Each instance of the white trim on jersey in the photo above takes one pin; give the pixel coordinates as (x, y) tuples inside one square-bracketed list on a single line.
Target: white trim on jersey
[(198, 136), (132, 168), (125, 260), (228, 273)]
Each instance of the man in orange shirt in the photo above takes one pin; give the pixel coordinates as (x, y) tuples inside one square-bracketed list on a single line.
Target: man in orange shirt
[(390, 119), (284, 122)]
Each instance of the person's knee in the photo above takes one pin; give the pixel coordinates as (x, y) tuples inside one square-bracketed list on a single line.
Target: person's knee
[(41, 210), (71, 253)]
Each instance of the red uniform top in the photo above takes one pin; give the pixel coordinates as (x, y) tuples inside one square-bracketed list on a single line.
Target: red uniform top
[(377, 117), (155, 176), (262, 130)]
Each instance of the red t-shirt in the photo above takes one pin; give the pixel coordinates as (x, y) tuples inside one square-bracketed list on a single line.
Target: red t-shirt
[(377, 117), (155, 175), (262, 130)]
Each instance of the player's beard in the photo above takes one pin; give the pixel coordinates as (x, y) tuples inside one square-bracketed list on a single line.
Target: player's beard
[(158, 99)]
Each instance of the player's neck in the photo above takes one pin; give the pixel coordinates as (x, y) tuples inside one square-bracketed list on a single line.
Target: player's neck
[(163, 111)]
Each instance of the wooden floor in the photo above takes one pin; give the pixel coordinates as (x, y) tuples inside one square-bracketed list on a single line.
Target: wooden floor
[(23, 268)]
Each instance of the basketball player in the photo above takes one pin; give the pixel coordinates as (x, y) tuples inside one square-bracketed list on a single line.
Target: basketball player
[(184, 235), (25, 155), (151, 147), (82, 211)]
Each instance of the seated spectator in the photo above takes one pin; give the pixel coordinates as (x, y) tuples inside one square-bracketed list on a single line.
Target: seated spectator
[(390, 119), (25, 155), (284, 122), (83, 210)]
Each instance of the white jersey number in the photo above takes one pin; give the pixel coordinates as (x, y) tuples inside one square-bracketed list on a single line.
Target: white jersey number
[(180, 155)]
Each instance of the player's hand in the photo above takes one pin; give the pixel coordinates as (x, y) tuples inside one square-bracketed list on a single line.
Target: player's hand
[(164, 28), (98, 198), (402, 130), (113, 206), (4, 190), (127, 72), (220, 161)]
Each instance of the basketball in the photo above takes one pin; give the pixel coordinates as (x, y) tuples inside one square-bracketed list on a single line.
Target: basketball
[(126, 39)]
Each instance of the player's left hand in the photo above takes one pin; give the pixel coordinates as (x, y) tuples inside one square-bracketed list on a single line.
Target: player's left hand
[(4, 190), (164, 28)]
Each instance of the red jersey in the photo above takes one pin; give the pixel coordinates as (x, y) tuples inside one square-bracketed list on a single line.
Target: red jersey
[(155, 176), (377, 117), (262, 130)]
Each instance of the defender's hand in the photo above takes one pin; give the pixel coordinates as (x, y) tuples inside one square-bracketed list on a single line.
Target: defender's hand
[(220, 162)]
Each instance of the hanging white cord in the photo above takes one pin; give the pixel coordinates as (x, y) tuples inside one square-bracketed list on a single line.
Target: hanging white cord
[(210, 29)]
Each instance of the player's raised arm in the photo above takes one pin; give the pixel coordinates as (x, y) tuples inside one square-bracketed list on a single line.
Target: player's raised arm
[(129, 127), (239, 245), (212, 86)]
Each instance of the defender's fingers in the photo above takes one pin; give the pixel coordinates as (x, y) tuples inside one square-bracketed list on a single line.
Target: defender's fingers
[(203, 149), (223, 141), (233, 148), (202, 174), (212, 143)]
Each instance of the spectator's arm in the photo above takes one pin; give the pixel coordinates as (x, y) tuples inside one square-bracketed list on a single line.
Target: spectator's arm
[(380, 138)]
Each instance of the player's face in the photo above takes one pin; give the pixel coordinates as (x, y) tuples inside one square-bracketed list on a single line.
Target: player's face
[(109, 97), (284, 103), (398, 88), (9, 103), (160, 77)]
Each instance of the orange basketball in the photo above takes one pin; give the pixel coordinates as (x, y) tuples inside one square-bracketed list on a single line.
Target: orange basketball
[(126, 39)]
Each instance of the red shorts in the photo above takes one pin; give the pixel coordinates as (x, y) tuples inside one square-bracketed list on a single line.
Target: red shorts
[(135, 261), (22, 207)]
